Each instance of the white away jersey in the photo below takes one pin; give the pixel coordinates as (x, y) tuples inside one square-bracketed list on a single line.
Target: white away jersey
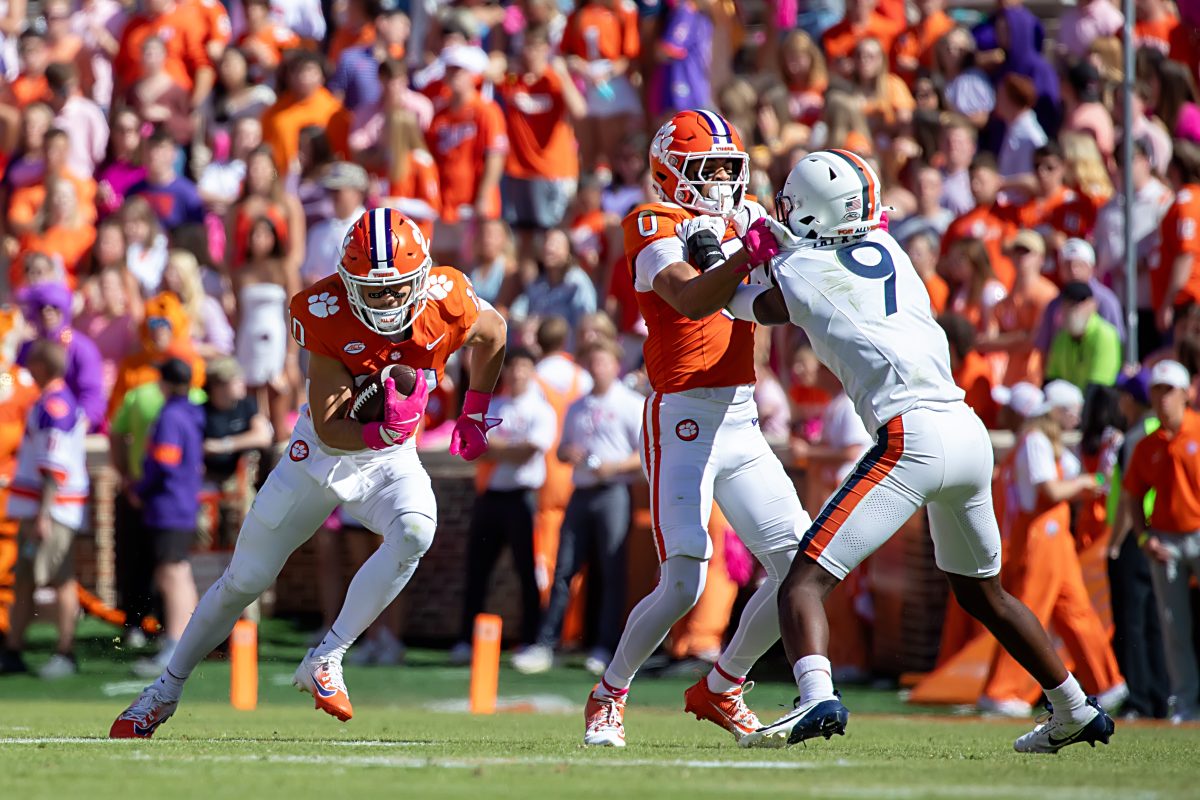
[(867, 315)]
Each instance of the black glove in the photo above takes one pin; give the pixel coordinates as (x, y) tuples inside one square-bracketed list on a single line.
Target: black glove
[(704, 250)]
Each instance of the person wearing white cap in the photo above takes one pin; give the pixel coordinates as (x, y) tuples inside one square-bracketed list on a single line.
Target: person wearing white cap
[(1066, 403), (1041, 478), (1168, 461), (1077, 262)]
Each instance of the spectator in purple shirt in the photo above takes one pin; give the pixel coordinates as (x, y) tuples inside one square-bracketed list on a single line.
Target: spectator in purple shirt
[(49, 306), (1077, 263), (682, 78), (356, 79), (175, 199), (168, 497)]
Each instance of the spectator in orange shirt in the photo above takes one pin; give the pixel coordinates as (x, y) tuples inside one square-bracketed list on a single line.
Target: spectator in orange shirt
[(989, 221), (306, 102), (540, 103), (263, 41), (216, 28), (1175, 280), (1055, 211), (600, 42), (411, 176), (62, 45), (861, 21), (62, 230), (971, 371), (33, 57), (1168, 461), (1016, 318), (182, 26), (802, 68), (469, 141), (974, 290), (913, 49), (922, 249), (887, 102), (1155, 21), (26, 203)]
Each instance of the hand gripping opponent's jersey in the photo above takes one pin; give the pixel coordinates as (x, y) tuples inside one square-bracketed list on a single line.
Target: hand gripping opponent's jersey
[(867, 314), (321, 323), (680, 353)]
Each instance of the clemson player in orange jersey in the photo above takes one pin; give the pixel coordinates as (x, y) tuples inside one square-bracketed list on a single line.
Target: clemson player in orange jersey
[(387, 304), (701, 439)]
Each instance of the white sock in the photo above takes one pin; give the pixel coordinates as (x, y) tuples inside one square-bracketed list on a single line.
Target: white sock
[(169, 686), (332, 646), (814, 677), (1069, 700), (680, 583), (758, 629), (720, 681)]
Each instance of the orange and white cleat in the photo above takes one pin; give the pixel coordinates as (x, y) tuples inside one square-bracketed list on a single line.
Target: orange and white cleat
[(727, 710), (604, 720), (143, 716), (322, 678)]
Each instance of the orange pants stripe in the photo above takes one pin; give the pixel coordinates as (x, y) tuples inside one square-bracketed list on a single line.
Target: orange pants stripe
[(652, 430)]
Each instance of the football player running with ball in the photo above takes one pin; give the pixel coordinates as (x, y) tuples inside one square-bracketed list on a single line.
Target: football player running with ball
[(854, 291), (700, 434), (387, 304)]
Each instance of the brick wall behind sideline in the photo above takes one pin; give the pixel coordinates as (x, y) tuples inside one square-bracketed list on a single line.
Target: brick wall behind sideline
[(908, 593)]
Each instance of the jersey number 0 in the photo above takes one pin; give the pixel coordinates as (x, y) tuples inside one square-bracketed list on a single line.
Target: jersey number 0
[(883, 269)]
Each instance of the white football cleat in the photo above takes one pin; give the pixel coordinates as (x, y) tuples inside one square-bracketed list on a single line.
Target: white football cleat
[(533, 660), (322, 678), (604, 721), (1053, 734)]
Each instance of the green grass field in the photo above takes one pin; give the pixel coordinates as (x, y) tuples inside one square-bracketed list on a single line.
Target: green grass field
[(410, 738)]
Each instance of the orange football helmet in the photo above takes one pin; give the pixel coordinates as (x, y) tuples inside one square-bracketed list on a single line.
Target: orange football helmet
[(686, 157), (385, 253)]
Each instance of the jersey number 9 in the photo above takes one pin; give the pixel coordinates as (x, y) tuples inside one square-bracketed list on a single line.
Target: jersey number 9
[(877, 266)]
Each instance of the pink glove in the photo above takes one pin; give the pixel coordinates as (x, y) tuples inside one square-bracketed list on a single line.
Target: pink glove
[(469, 438), (401, 415), (883, 221), (760, 243)]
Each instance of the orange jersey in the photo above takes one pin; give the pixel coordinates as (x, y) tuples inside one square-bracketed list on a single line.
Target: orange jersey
[(994, 227), (460, 139), (840, 40), (322, 323), (28, 89), (217, 27), (1179, 236), (917, 43), (274, 39), (1067, 211), (283, 122), (1155, 33), (18, 393), (680, 353), (541, 140), (183, 30), (1171, 466), (420, 184), (939, 292), (595, 32)]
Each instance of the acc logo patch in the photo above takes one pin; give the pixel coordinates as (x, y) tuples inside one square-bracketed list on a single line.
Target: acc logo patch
[(354, 348), (687, 430), (299, 450)]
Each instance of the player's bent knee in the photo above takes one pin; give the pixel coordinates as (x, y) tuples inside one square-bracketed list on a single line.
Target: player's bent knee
[(410, 536)]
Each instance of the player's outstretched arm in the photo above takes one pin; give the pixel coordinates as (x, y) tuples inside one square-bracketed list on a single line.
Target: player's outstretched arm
[(757, 303), (330, 387), (486, 340)]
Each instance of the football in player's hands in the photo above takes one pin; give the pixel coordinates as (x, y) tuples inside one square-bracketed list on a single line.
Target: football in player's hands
[(367, 405)]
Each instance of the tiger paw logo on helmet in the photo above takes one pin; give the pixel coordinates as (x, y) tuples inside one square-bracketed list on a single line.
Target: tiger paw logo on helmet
[(662, 141), (323, 305), (439, 287)]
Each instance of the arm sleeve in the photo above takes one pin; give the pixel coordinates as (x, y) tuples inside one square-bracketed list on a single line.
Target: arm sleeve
[(654, 258), (568, 429), (495, 131), (164, 455), (89, 381), (1135, 479)]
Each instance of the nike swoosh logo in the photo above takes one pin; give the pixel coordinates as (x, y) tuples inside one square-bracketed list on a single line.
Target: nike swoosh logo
[(322, 689), (1066, 739), (434, 343), (147, 730)]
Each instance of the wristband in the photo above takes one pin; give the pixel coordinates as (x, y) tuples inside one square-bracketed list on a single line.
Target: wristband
[(742, 304), (705, 249), (476, 403)]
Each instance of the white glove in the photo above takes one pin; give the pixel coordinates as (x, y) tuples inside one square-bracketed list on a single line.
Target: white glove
[(744, 217), (701, 222)]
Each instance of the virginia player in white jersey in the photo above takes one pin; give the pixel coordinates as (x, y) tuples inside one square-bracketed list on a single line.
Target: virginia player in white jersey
[(847, 282)]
